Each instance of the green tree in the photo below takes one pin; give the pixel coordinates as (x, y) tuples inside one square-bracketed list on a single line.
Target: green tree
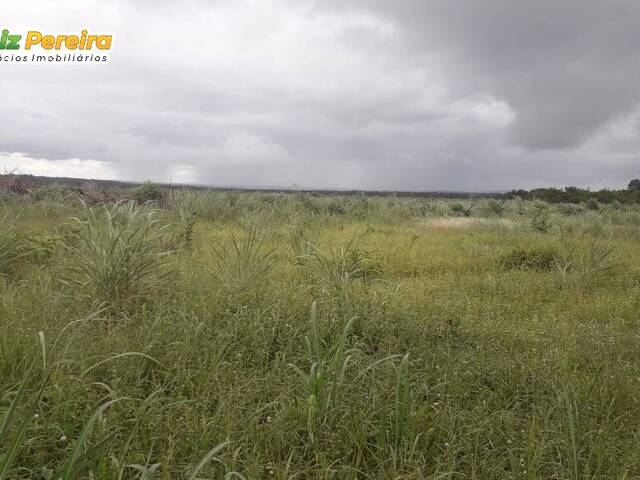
[(634, 185)]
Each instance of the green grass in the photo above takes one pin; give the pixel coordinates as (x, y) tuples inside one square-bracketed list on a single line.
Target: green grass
[(231, 335)]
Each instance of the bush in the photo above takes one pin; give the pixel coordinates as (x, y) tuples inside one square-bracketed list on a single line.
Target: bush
[(147, 192), (461, 209), (529, 258), (569, 209), (540, 220), (593, 204), (494, 208)]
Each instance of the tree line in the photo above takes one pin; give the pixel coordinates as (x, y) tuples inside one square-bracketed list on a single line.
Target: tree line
[(578, 195)]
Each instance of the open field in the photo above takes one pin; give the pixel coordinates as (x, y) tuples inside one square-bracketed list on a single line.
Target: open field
[(230, 335)]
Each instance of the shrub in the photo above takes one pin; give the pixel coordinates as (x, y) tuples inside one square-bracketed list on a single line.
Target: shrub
[(540, 219), (569, 209), (147, 192), (593, 204), (461, 209), (529, 258), (336, 208), (494, 208)]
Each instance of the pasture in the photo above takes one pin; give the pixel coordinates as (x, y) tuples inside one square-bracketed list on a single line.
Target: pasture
[(288, 335)]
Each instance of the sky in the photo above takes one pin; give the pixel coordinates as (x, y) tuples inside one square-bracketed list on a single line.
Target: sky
[(416, 95)]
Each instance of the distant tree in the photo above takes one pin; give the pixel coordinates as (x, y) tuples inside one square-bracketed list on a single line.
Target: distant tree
[(634, 185)]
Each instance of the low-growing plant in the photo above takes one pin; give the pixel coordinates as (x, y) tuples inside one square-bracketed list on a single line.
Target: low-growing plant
[(529, 258)]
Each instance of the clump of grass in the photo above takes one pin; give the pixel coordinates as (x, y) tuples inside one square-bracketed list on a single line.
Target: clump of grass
[(301, 246), (183, 205), (339, 264), (529, 258), (244, 263), (114, 259), (595, 263), (329, 362)]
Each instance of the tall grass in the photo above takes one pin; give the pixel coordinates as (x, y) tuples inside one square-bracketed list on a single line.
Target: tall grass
[(10, 242), (243, 265), (114, 258), (183, 205), (227, 372), (325, 376), (338, 264)]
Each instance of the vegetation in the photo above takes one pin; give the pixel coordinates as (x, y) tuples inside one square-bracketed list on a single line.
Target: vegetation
[(212, 334), (147, 192)]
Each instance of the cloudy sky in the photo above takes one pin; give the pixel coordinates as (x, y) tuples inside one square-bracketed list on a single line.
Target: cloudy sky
[(364, 94)]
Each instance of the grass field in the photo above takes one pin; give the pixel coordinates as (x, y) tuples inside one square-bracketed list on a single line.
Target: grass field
[(230, 335)]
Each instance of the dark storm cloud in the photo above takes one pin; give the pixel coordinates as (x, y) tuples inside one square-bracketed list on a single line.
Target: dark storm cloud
[(567, 67), (410, 94)]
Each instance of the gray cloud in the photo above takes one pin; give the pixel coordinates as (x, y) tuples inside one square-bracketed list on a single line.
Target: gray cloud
[(566, 67), (411, 94)]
